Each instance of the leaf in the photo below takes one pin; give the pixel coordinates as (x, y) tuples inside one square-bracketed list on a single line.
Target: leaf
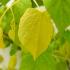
[(64, 51), (59, 11), (48, 62), (1, 38), (2, 8), (61, 66), (11, 32), (35, 31), (1, 59), (19, 8), (67, 35), (4, 1), (27, 62), (7, 18), (45, 62), (12, 62), (52, 47)]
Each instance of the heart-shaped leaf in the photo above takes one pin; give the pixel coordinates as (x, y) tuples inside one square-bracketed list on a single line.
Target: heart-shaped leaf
[(35, 31)]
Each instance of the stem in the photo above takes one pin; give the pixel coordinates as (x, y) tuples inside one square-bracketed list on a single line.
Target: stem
[(12, 14), (3, 15), (36, 3)]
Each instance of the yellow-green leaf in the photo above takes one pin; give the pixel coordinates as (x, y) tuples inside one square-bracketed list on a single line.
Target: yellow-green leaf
[(12, 31), (35, 31), (1, 38), (12, 62)]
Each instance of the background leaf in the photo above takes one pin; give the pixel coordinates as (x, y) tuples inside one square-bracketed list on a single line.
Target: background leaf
[(19, 8), (7, 19), (67, 35), (4, 1), (59, 11), (27, 62)]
